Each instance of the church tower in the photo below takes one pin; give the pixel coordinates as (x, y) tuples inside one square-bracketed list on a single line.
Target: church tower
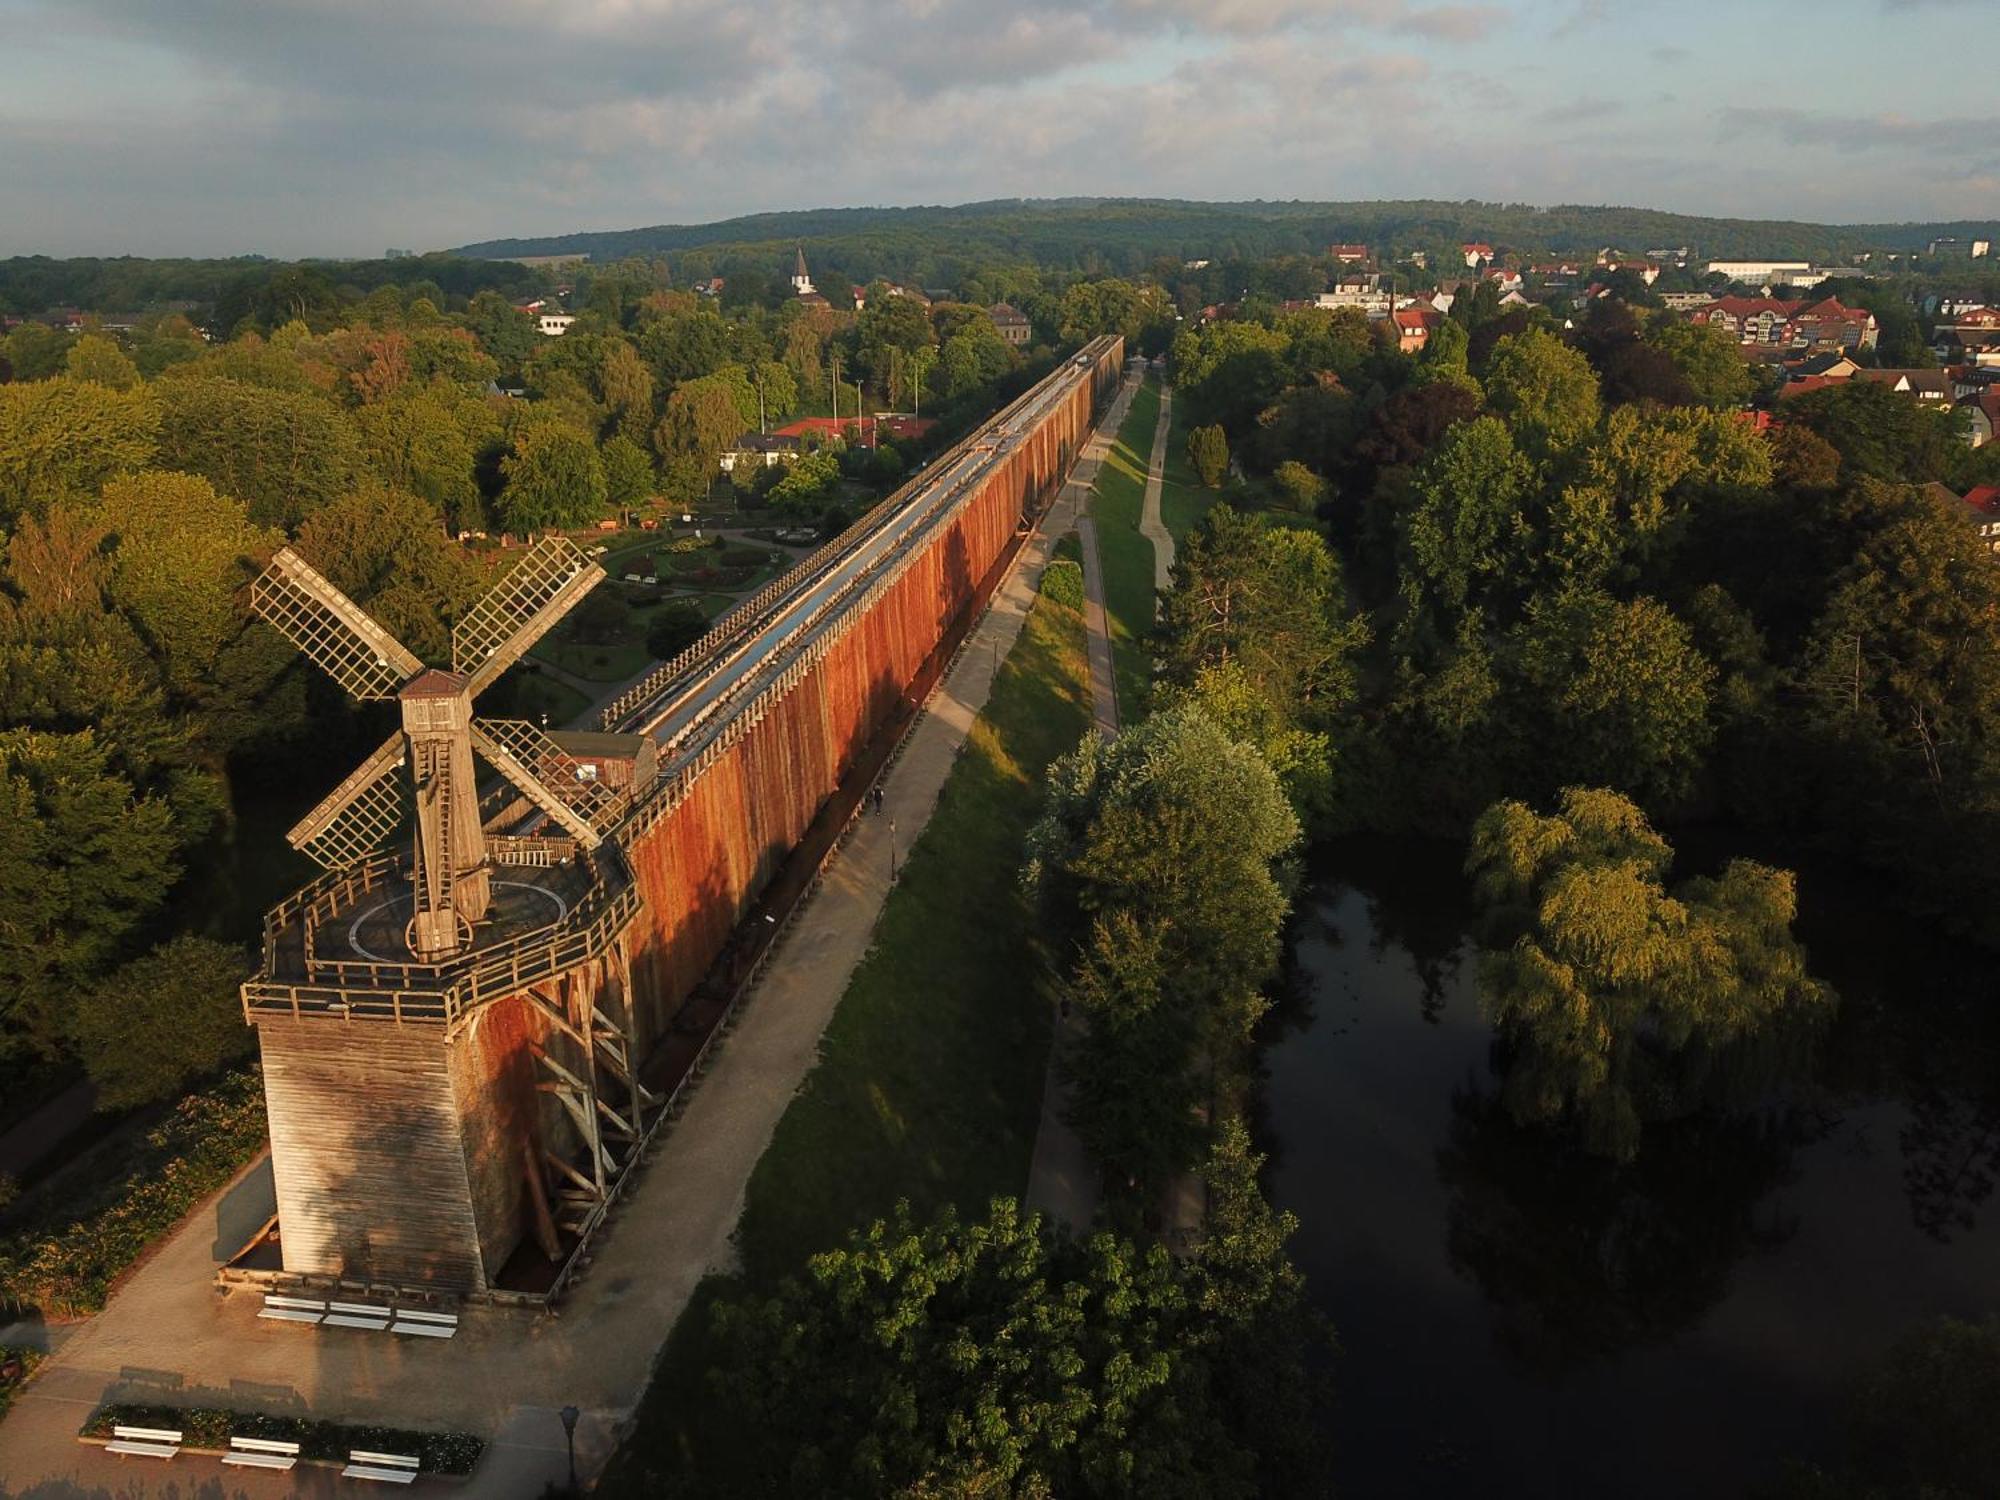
[(802, 284)]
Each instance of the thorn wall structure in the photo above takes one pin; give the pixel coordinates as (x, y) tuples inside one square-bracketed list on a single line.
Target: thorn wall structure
[(462, 1123)]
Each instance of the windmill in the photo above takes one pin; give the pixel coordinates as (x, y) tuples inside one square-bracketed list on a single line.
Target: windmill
[(450, 876)]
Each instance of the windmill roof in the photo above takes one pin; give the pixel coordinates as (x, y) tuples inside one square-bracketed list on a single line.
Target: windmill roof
[(433, 682)]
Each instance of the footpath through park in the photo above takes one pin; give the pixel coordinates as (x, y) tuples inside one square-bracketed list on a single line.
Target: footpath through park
[(170, 1336)]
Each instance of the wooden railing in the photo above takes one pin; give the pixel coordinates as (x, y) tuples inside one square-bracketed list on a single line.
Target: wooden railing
[(368, 989)]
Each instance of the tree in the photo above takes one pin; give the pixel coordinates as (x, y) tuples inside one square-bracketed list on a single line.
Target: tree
[(180, 553), (95, 359), (83, 859), (703, 419), (34, 351), (161, 1022), (1208, 452), (676, 625), (554, 479), (1709, 359), (1879, 433), (1303, 490), (1919, 1422), (1546, 391), (1157, 857), (1626, 1002), (1466, 532), (809, 482), (1612, 692), (283, 453), (418, 440), (975, 1359), (1256, 632), (387, 549), (66, 437), (628, 473)]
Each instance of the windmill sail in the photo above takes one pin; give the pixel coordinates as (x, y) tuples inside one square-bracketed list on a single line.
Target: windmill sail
[(360, 815), (522, 608), (331, 629)]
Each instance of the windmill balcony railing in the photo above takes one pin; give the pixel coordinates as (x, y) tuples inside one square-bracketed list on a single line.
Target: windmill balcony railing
[(298, 983)]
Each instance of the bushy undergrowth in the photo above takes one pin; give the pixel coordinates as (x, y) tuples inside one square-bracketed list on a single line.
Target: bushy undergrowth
[(64, 1266)]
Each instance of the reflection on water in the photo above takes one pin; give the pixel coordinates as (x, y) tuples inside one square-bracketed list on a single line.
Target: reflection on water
[(1521, 1317)]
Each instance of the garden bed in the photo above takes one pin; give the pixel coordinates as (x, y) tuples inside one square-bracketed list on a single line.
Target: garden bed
[(208, 1429)]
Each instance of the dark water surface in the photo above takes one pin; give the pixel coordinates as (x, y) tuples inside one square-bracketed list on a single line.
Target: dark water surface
[(1518, 1317)]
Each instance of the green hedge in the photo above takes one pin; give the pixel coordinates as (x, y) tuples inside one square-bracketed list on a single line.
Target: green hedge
[(64, 1268), (1062, 582), (214, 1426)]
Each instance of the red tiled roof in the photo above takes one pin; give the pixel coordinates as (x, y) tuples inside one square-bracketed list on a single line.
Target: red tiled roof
[(1985, 498)]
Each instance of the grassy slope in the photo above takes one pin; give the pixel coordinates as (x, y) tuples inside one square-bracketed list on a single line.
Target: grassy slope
[(930, 1078), (1118, 498)]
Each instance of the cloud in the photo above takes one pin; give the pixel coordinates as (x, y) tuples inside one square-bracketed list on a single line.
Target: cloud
[(341, 126)]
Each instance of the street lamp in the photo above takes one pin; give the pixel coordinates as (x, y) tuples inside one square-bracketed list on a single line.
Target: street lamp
[(569, 1414)]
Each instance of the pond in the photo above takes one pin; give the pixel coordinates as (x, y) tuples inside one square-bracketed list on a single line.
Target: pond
[(1518, 1317)]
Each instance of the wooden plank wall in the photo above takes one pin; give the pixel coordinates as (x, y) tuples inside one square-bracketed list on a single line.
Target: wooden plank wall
[(367, 1155), (702, 864)]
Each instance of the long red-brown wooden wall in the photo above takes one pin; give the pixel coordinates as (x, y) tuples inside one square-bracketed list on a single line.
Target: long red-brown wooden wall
[(701, 864)]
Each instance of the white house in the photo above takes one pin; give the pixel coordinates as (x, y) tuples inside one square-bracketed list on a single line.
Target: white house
[(1759, 272), (554, 324)]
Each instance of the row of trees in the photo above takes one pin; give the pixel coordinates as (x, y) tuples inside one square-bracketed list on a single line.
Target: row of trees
[(1579, 563)]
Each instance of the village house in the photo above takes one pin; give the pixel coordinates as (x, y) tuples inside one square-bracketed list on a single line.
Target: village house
[(1983, 503), (1414, 325), (554, 325), (1476, 254), (1777, 321), (1349, 255), (1012, 323)]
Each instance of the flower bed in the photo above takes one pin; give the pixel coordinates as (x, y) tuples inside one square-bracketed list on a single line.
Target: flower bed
[(66, 1268), (211, 1428)]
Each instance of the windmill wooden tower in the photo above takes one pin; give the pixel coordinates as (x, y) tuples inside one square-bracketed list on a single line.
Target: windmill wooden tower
[(449, 877)]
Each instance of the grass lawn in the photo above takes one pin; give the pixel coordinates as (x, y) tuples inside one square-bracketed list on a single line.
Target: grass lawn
[(1117, 499), (606, 664), (537, 694), (930, 1076), (1183, 501)]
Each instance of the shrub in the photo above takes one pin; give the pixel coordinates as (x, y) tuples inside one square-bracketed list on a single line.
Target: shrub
[(66, 1269), (214, 1426), (1062, 582), (745, 557), (17, 1367)]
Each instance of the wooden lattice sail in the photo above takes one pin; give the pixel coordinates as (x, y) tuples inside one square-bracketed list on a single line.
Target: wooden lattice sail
[(439, 736)]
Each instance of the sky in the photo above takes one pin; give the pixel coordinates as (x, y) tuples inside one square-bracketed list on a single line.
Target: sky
[(344, 127)]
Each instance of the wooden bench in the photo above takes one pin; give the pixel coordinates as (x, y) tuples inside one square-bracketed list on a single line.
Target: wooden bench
[(143, 1442), (357, 1315), (427, 1325), (292, 1309), (261, 1453), (389, 1468)]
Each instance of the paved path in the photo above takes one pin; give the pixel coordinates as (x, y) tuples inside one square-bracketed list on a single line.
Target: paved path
[(169, 1334), (1062, 1179), (1150, 525)]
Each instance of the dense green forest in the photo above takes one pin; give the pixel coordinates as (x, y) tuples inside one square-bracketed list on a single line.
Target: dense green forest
[(940, 246)]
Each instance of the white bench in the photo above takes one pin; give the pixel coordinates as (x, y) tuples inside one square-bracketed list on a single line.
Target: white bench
[(427, 1325), (357, 1315), (389, 1468), (292, 1309), (144, 1442), (261, 1453)]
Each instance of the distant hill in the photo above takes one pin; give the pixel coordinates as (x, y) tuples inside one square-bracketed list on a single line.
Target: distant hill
[(1126, 234)]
